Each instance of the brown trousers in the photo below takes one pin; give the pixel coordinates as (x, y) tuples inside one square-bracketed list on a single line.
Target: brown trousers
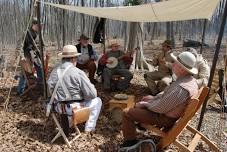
[(90, 66), (143, 115), (157, 81)]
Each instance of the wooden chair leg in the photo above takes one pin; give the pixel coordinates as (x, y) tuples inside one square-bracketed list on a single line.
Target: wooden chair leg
[(61, 132), (77, 136), (56, 137), (181, 147), (205, 139)]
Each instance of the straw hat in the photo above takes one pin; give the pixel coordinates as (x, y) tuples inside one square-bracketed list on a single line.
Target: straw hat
[(113, 44), (69, 51), (187, 61)]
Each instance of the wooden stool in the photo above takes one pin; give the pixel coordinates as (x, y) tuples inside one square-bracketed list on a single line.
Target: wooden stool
[(116, 107)]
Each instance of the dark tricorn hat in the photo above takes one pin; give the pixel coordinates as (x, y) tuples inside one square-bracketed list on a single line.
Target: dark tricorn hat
[(83, 37), (35, 21), (168, 43)]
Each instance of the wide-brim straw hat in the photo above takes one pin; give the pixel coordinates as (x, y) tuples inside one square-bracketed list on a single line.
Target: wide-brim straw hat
[(69, 51), (113, 44), (186, 60)]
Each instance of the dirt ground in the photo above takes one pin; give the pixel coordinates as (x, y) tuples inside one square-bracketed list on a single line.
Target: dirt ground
[(24, 127)]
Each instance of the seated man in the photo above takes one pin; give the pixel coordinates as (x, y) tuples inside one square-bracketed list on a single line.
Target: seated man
[(163, 110), (74, 87), (87, 58), (203, 69), (120, 69), (158, 80)]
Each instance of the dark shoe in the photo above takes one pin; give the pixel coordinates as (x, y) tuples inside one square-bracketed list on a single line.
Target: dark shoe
[(128, 143)]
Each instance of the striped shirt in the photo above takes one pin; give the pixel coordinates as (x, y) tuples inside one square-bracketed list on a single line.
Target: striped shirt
[(174, 99)]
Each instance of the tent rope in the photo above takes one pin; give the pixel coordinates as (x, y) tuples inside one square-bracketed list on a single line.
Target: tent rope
[(6, 103)]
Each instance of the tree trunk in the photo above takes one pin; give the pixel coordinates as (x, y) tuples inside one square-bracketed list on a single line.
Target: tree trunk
[(82, 25)]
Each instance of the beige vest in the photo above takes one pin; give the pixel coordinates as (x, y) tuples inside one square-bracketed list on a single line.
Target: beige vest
[(164, 67)]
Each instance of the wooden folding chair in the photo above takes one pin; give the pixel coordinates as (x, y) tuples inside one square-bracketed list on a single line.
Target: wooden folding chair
[(79, 116), (171, 136)]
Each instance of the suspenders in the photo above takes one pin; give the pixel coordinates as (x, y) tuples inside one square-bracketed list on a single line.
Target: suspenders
[(66, 91)]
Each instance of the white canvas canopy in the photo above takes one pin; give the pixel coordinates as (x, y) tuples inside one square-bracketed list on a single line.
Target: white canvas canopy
[(172, 10)]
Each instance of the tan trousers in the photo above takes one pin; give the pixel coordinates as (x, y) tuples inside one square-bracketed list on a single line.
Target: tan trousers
[(90, 66), (157, 81), (142, 115)]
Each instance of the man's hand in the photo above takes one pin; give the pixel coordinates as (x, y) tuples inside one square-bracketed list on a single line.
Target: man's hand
[(142, 104), (22, 58), (147, 98)]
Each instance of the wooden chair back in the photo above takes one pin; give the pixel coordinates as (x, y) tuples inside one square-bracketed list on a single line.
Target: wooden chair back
[(203, 92), (194, 104)]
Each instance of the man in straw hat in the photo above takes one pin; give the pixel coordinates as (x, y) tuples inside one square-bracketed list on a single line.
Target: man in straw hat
[(158, 80), (30, 54), (115, 67), (163, 110), (87, 58), (74, 87)]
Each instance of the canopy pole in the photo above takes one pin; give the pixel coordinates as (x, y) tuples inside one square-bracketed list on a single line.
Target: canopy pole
[(104, 38), (203, 35), (41, 50), (215, 58)]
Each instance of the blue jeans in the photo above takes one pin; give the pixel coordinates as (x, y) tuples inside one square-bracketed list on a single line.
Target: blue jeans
[(21, 84), (39, 71), (22, 81)]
